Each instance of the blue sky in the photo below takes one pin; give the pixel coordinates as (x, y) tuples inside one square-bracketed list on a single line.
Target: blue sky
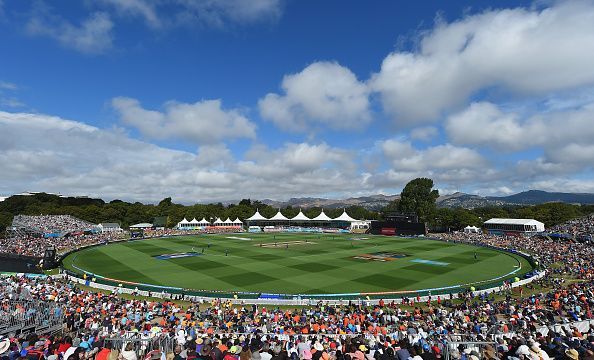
[(208, 100)]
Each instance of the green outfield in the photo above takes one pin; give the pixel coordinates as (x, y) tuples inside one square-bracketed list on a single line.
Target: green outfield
[(298, 263)]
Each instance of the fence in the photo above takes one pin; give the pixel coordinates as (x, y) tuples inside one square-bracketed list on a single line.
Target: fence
[(452, 346), (423, 295), (453, 349), (299, 300), (141, 344), (19, 317)]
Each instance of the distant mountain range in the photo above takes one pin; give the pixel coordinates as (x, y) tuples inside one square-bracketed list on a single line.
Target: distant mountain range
[(373, 202), (458, 199)]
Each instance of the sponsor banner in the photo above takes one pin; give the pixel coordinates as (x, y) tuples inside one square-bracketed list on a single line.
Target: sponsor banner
[(177, 255), (430, 262)]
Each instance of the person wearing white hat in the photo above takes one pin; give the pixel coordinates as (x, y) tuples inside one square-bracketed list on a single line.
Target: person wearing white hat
[(4, 345)]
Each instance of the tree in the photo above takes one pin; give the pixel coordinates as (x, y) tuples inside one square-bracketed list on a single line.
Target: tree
[(418, 196), (165, 202), (246, 202)]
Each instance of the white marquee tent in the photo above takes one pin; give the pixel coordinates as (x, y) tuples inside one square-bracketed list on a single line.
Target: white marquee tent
[(472, 229), (279, 217), (300, 217), (344, 217), (322, 217), (256, 217)]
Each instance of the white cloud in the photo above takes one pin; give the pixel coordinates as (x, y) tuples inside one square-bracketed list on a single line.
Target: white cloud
[(201, 122), (521, 51), (5, 85), (294, 160), (322, 94), (92, 36), (45, 153), (221, 12), (424, 133), (449, 166), (142, 8), (405, 157), (486, 124), (11, 102)]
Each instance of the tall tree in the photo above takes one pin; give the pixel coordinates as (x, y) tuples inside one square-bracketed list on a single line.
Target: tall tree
[(418, 196)]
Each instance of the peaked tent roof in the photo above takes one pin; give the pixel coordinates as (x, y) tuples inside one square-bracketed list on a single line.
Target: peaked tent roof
[(237, 221), (344, 217), (300, 217), (203, 221), (218, 221), (228, 221), (279, 216), (256, 217), (194, 221), (184, 221), (322, 217)]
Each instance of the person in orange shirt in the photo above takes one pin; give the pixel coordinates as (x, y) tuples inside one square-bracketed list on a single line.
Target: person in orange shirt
[(104, 353)]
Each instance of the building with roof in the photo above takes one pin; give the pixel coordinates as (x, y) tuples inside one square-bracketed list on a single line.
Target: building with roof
[(141, 226), (109, 227), (504, 226)]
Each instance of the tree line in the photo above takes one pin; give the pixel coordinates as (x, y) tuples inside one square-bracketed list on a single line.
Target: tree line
[(418, 196), (127, 213)]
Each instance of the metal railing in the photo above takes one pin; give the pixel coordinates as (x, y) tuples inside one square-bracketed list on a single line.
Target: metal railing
[(141, 344), (453, 350), (19, 317)]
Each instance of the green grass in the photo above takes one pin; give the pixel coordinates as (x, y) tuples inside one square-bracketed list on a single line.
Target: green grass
[(324, 265)]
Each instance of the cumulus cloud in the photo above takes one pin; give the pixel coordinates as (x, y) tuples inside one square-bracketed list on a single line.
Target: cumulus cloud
[(424, 133), (92, 36), (521, 51), (201, 122), (322, 94), (486, 124), (141, 8), (5, 85), (7, 99), (45, 153), (448, 165), (221, 12), (404, 156)]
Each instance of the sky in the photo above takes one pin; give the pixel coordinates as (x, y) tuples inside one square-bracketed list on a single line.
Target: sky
[(219, 100)]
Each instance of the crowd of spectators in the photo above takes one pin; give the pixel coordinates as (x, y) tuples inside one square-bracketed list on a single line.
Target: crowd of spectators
[(567, 256), (51, 224), (35, 245), (579, 229), (511, 321), (31, 245), (395, 330), (204, 230)]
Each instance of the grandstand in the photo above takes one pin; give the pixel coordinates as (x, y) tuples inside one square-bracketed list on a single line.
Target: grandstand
[(513, 226), (24, 317), (49, 226)]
